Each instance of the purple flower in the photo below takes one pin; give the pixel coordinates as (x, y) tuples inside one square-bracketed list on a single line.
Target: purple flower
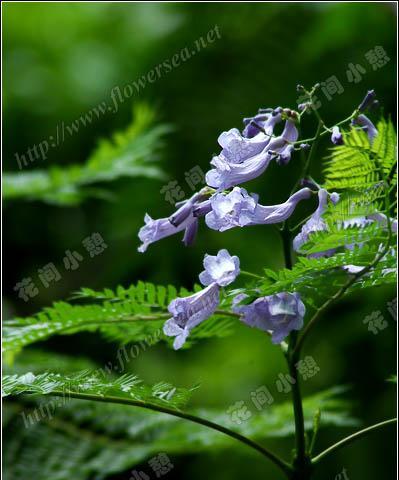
[(226, 174), (185, 210), (232, 209), (188, 312), (281, 147), (221, 269), (190, 233), (367, 101), (278, 314), (264, 122), (336, 136), (367, 125), (237, 148), (185, 218), (315, 223), (238, 209), (279, 213), (233, 166), (155, 230), (254, 125)]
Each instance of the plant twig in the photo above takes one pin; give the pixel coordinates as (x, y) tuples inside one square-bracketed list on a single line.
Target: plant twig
[(350, 439)]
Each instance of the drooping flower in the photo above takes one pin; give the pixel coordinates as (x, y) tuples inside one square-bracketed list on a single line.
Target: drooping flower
[(316, 222), (367, 125), (155, 230), (336, 136), (279, 213), (226, 174), (221, 269), (188, 312), (231, 170), (190, 233), (239, 209), (278, 314), (185, 218), (367, 101), (185, 210)]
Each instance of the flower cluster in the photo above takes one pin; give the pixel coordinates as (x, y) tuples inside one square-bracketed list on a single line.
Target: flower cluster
[(244, 156), (225, 204), (188, 312)]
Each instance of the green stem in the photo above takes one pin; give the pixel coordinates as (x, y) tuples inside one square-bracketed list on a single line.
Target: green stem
[(351, 438), (253, 275), (285, 467), (325, 132)]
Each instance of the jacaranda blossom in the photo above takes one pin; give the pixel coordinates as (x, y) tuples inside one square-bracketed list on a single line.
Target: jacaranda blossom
[(367, 101), (185, 218), (316, 222), (221, 269), (277, 314), (280, 147), (155, 230), (264, 123), (188, 312), (336, 136), (367, 125), (233, 166), (239, 209)]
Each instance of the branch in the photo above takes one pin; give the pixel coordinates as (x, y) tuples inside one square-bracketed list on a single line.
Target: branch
[(351, 439), (285, 467), (343, 290)]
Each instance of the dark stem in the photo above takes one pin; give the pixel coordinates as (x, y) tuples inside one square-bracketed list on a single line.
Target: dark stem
[(285, 467), (287, 242), (302, 463)]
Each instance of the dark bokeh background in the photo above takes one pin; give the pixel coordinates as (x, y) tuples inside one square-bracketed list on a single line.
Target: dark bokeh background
[(62, 59)]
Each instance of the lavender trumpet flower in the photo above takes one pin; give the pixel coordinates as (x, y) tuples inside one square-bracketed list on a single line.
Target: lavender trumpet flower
[(336, 136), (262, 123), (239, 209), (185, 218), (277, 314), (367, 101), (316, 223), (367, 125), (188, 312), (228, 173), (155, 230), (281, 147)]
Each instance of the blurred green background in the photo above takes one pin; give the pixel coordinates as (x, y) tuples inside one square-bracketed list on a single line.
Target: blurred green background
[(61, 60)]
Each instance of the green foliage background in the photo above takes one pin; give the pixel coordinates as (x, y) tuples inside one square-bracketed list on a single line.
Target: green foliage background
[(63, 59)]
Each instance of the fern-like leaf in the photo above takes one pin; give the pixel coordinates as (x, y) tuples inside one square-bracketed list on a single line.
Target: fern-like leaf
[(130, 153), (132, 314), (356, 164), (87, 439)]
